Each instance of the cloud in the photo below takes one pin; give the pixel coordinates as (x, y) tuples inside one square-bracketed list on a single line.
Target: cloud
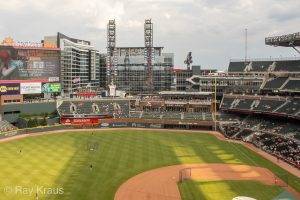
[(212, 29), (167, 15), (12, 5)]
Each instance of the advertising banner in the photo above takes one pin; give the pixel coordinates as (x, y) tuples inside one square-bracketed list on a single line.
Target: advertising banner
[(9, 88), (30, 88), (28, 64), (119, 124), (79, 121), (53, 79), (139, 125), (155, 126), (104, 125), (51, 87)]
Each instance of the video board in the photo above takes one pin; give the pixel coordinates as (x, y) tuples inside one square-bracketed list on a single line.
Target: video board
[(20, 63), (51, 87)]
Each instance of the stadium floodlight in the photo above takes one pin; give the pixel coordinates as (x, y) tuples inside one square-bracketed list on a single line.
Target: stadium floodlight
[(289, 40)]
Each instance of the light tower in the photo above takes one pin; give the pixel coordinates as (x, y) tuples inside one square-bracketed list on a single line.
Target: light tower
[(148, 36), (111, 56), (289, 40)]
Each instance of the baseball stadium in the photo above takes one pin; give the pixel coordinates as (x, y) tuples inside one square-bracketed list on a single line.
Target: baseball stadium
[(157, 133)]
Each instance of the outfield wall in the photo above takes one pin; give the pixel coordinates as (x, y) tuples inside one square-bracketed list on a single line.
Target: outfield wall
[(122, 123), (11, 112), (33, 130)]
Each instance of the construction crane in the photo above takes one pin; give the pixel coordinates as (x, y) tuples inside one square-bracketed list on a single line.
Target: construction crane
[(111, 58), (148, 36)]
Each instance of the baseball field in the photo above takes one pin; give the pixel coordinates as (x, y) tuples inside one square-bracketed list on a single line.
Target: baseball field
[(94, 164)]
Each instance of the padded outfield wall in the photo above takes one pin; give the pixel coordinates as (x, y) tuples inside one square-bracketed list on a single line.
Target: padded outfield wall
[(11, 112)]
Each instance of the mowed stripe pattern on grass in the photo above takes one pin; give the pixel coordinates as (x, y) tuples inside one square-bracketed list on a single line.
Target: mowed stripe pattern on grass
[(62, 160), (225, 190)]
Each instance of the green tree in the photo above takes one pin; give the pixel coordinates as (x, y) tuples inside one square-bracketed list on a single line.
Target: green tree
[(29, 123), (35, 122), (43, 122)]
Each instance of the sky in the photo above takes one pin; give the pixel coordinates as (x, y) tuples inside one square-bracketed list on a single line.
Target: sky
[(213, 30)]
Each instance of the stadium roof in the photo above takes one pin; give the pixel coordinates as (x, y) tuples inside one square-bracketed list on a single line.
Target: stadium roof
[(284, 40)]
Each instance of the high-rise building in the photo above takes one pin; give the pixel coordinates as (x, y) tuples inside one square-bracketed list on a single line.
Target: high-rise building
[(80, 63)]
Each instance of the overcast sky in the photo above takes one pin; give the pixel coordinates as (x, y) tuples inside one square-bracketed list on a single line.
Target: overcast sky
[(212, 29)]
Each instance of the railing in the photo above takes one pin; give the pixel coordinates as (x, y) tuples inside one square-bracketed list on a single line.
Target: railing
[(264, 59)]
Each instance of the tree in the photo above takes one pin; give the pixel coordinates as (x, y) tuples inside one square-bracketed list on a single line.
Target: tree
[(43, 122), (35, 122), (29, 123)]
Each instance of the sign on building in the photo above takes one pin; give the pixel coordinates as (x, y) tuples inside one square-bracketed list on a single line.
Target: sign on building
[(9, 88), (51, 87), (31, 88)]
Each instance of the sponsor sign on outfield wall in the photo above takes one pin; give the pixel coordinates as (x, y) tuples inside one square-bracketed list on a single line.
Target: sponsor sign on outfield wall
[(119, 124), (31, 88), (104, 125), (79, 121), (139, 125), (9, 88), (155, 126)]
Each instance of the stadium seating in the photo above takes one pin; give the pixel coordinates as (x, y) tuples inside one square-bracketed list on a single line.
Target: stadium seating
[(260, 66), (242, 104), (288, 65), (266, 105), (198, 116), (115, 108), (284, 148), (64, 108), (152, 115), (135, 114), (275, 83), (236, 67), (265, 66), (278, 137), (6, 126), (227, 117), (226, 103), (172, 115), (243, 134), (230, 129), (289, 107), (292, 85)]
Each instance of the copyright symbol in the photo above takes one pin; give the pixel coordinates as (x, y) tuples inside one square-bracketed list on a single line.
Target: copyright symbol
[(7, 189)]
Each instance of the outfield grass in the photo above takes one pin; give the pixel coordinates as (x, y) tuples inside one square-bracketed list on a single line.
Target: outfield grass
[(62, 160), (226, 190)]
